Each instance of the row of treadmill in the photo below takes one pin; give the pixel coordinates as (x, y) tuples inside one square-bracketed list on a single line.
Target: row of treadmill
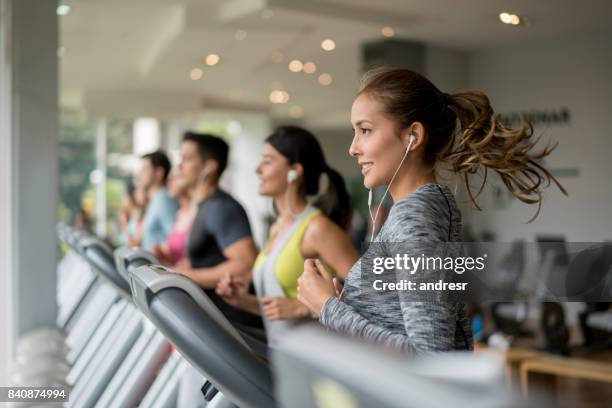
[(133, 329)]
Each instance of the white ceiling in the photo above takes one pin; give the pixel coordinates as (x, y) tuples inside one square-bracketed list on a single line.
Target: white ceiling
[(133, 57)]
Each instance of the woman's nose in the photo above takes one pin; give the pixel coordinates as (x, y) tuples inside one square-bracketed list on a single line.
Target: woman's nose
[(354, 148)]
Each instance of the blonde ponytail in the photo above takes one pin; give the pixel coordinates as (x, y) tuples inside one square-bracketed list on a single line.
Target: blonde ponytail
[(482, 141)]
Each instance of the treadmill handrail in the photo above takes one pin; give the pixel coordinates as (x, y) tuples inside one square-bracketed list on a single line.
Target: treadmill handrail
[(88, 241), (90, 244), (156, 278), (126, 255), (203, 335)]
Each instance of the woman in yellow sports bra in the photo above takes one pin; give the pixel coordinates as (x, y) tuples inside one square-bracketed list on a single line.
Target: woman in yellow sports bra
[(291, 165)]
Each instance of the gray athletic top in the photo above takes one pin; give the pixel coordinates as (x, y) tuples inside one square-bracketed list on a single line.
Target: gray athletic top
[(392, 318)]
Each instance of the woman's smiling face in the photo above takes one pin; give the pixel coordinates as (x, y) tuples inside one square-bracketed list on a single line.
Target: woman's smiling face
[(272, 171), (376, 145)]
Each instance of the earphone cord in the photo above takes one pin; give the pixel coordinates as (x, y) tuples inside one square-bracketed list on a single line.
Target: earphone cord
[(386, 191)]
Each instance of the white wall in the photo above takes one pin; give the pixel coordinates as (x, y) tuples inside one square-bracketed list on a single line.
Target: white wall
[(576, 72)]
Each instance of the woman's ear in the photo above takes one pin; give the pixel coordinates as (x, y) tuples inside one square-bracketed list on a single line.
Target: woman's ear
[(414, 133), (299, 168)]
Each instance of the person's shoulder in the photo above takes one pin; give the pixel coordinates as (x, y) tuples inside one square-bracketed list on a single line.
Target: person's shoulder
[(425, 199), (166, 199), (421, 213), (320, 225), (222, 202)]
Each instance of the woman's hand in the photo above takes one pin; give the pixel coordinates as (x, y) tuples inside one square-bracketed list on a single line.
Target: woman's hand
[(283, 308), (183, 267), (315, 286), (162, 254), (232, 289)]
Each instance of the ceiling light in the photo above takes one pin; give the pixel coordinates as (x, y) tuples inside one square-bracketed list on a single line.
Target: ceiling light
[(328, 44), (325, 79), (212, 59), (196, 74), (63, 10), (509, 18), (295, 66), (278, 96), (240, 35), (310, 67), (388, 32), (296, 112)]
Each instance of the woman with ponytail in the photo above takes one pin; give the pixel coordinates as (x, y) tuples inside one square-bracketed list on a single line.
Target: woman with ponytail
[(291, 168), (406, 130)]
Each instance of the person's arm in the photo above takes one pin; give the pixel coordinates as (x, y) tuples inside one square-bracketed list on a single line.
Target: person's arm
[(323, 239), (167, 215), (136, 240), (240, 257), (162, 254), (428, 327), (229, 224), (249, 304), (283, 308), (235, 292)]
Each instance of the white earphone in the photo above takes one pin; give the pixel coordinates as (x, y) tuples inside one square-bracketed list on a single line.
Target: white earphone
[(292, 176), (373, 217), (204, 175)]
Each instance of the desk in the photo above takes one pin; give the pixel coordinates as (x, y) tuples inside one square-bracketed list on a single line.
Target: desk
[(513, 358), (542, 372), (584, 381)]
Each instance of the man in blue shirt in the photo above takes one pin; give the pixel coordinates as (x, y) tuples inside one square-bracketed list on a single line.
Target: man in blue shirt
[(161, 211)]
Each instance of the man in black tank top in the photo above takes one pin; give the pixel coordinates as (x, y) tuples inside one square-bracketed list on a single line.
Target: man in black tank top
[(220, 241)]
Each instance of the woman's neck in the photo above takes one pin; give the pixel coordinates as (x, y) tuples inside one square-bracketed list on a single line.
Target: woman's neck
[(289, 205), (410, 180)]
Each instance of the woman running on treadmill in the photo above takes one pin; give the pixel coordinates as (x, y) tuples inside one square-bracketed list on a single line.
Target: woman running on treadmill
[(174, 250), (291, 165), (405, 129)]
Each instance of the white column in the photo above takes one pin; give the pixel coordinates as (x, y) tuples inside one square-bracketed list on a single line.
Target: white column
[(100, 178), (240, 178), (6, 208), (28, 169)]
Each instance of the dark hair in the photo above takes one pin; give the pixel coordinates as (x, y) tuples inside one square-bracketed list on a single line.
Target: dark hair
[(210, 147), (130, 187), (464, 132), (300, 146), (159, 159)]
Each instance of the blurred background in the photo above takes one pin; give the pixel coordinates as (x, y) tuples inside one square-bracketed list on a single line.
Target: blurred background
[(88, 86), (135, 74)]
